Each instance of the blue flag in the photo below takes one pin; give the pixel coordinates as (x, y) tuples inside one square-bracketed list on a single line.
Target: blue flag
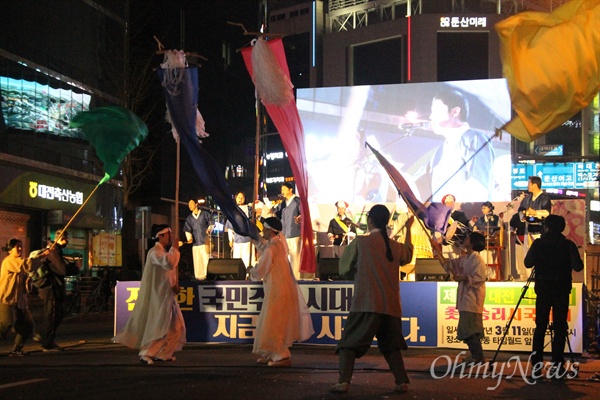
[(182, 102), (434, 216)]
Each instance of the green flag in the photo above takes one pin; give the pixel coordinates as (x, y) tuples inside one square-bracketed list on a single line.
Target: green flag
[(114, 132)]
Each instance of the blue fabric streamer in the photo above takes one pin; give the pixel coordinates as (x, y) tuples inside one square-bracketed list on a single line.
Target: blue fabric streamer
[(182, 108)]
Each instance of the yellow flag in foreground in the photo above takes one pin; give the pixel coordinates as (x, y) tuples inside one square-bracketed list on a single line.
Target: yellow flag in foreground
[(552, 64)]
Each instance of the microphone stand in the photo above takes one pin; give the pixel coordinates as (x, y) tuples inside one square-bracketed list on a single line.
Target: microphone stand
[(487, 239), (510, 206)]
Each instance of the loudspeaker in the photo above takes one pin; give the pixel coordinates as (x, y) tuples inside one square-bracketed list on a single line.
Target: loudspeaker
[(329, 269), (325, 252), (429, 269), (323, 239), (223, 269)]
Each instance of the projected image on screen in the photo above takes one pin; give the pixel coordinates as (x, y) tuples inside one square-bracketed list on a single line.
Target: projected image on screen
[(33, 106), (438, 135)]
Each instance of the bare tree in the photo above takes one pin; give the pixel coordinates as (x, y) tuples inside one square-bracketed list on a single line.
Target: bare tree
[(130, 75)]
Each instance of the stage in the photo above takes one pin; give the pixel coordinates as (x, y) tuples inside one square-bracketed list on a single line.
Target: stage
[(227, 311)]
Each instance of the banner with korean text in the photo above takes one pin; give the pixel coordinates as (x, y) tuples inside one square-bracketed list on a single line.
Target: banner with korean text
[(500, 301), (227, 312)]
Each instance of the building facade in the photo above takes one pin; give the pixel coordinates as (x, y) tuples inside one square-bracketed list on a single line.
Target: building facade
[(365, 42), (53, 59)]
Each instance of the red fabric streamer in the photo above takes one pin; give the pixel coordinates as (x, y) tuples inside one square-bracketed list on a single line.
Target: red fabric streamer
[(288, 123)]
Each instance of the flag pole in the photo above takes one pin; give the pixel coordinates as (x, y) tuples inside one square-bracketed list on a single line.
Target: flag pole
[(398, 184), (438, 254), (56, 239)]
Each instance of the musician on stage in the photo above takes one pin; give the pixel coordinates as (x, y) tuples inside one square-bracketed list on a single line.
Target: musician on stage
[(240, 245), (419, 238), (341, 229), (458, 229), (517, 228), (534, 208), (488, 224), (288, 211)]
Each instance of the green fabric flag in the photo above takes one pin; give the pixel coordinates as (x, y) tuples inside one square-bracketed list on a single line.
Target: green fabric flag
[(114, 132)]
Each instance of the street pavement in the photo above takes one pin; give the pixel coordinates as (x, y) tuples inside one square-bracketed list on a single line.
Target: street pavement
[(92, 367)]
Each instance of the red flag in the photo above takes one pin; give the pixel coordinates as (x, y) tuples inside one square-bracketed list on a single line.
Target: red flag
[(287, 121)]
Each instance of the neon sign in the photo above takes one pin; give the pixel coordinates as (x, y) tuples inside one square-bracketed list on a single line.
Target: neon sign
[(463, 22), (37, 190)]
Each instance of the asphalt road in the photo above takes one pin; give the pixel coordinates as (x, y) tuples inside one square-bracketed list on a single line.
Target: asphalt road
[(92, 367)]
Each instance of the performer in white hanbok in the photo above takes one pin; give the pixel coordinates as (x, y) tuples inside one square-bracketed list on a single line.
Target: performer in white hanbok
[(284, 317), (156, 325)]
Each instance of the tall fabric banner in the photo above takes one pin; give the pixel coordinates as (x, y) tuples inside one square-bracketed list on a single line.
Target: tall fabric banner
[(552, 64), (182, 103), (434, 216), (287, 121)]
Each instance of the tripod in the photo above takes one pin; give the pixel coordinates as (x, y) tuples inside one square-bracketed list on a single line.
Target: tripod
[(507, 327), (550, 327), (551, 330)]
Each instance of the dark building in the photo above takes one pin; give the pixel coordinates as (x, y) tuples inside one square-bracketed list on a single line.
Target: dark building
[(53, 64), (367, 42)]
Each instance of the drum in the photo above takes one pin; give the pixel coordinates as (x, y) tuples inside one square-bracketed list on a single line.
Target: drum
[(456, 233), (493, 240)]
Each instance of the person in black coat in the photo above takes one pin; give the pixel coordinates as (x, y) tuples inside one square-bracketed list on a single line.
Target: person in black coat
[(554, 257), (53, 295)]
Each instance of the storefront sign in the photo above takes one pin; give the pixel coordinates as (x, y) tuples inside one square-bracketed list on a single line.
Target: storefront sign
[(54, 193), (549, 150), (463, 22), (569, 175), (30, 189)]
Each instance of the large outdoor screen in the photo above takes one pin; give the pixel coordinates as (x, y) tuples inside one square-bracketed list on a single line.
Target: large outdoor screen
[(33, 106), (438, 148)]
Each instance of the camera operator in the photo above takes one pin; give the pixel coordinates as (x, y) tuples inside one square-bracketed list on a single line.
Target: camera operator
[(553, 256)]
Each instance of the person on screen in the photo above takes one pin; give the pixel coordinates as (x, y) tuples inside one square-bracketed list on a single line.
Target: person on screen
[(288, 211), (376, 309), (240, 245), (554, 257), (341, 230), (469, 270), (464, 163), (197, 228), (284, 317)]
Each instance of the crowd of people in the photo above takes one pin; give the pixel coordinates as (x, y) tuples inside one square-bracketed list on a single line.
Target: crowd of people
[(156, 326)]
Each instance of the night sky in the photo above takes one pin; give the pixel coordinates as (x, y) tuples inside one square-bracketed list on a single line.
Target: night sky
[(226, 97), (226, 93)]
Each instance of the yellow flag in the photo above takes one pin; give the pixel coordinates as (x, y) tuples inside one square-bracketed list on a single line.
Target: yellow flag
[(551, 62)]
